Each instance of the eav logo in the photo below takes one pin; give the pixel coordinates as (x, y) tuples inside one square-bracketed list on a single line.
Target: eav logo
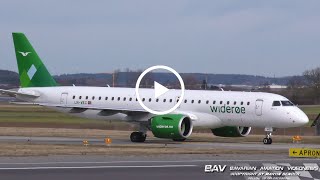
[(24, 53)]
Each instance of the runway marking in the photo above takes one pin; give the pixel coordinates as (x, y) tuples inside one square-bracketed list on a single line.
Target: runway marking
[(182, 161), (94, 167)]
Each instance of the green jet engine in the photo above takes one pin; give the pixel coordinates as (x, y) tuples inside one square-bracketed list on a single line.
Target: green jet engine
[(171, 126), (232, 131)]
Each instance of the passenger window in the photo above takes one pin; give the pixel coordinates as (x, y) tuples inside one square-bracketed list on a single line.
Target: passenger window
[(170, 100), (100, 98), (130, 99), (143, 99), (241, 102), (106, 98), (185, 101), (192, 101), (228, 102), (164, 100), (92, 97), (234, 103), (214, 102), (80, 97), (248, 103), (87, 97), (112, 98), (220, 102), (149, 99), (73, 97), (207, 102), (199, 101), (124, 99), (118, 98), (157, 100), (276, 103)]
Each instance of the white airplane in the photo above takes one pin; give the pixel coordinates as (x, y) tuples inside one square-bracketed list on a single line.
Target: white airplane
[(226, 113)]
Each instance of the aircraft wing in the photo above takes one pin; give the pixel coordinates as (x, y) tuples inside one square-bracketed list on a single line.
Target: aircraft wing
[(133, 114), (75, 108)]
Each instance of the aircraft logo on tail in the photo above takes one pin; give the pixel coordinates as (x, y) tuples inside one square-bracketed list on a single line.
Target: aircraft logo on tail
[(24, 53)]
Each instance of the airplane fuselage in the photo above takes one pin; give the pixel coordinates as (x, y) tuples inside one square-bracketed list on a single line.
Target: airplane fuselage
[(207, 109)]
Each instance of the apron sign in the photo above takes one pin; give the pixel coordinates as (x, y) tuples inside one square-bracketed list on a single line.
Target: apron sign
[(304, 152)]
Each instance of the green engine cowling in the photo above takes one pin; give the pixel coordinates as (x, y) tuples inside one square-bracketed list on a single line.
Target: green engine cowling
[(171, 126), (232, 131)]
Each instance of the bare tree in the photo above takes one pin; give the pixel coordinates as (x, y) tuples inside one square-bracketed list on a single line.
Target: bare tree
[(115, 77), (191, 82), (313, 77), (147, 80), (204, 84), (296, 82), (133, 77)]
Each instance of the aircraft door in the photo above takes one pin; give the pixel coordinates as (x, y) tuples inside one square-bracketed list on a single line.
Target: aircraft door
[(259, 103), (63, 98)]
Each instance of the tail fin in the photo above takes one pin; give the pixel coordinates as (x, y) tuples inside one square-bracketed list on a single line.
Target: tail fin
[(32, 71)]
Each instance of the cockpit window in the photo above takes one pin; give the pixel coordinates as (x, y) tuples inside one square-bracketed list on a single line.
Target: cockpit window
[(276, 103), (287, 103)]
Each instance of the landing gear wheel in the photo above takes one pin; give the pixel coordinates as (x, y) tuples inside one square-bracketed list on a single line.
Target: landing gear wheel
[(267, 141), (179, 140), (138, 137)]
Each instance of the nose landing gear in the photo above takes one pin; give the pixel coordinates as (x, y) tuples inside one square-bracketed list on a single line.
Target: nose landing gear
[(268, 139)]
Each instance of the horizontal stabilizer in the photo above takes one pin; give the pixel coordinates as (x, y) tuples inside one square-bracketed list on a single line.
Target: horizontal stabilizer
[(15, 93)]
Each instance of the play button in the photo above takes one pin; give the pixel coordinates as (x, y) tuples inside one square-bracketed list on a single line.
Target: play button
[(160, 91)]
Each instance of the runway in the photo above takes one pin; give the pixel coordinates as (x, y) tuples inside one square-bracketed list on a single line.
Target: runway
[(95, 141), (139, 167), (143, 166)]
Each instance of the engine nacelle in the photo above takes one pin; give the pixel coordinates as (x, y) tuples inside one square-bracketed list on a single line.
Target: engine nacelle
[(171, 126), (232, 131)]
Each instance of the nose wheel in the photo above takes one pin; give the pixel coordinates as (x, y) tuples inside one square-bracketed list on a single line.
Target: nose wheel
[(268, 139)]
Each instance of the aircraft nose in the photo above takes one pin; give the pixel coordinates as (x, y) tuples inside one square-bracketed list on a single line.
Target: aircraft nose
[(302, 118)]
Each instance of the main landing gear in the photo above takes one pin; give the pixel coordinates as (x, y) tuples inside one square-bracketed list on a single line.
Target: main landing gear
[(138, 137), (268, 139), (141, 135)]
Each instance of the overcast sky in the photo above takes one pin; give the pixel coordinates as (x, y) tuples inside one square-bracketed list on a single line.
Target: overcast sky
[(268, 38)]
